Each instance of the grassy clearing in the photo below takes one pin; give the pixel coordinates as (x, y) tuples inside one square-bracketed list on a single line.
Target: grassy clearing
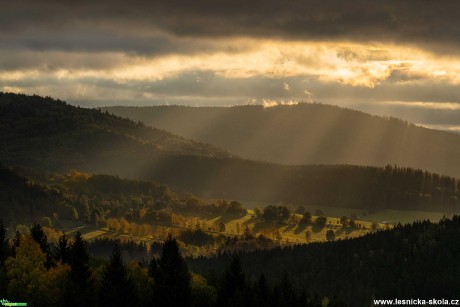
[(292, 233), (286, 233), (385, 216), (93, 234)]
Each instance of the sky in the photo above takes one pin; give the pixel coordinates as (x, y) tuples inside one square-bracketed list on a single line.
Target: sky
[(394, 57)]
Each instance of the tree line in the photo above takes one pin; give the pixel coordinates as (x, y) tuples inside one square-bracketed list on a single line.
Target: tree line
[(40, 274), (414, 260)]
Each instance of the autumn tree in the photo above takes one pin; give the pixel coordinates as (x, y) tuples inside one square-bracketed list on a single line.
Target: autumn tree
[(306, 217), (330, 235), (308, 236), (26, 272), (344, 221), (39, 236), (321, 221)]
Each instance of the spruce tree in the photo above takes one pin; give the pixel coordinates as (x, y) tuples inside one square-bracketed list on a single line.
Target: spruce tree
[(3, 244), (116, 288), (171, 277), (288, 296), (153, 265), (262, 292), (79, 290), (4, 253), (233, 288), (63, 249), (39, 236), (16, 242)]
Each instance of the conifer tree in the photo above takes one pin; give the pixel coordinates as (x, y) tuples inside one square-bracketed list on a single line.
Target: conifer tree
[(116, 288), (153, 265), (288, 296), (262, 291), (79, 290), (63, 249), (233, 288), (37, 234), (171, 277), (16, 242), (3, 244), (4, 253)]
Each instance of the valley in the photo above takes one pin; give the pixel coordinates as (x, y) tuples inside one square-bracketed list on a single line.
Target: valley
[(71, 174)]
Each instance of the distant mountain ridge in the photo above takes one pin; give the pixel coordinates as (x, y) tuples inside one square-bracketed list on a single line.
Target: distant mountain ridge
[(308, 134), (49, 135)]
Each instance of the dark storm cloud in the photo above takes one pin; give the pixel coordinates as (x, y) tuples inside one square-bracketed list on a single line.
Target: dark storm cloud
[(127, 24)]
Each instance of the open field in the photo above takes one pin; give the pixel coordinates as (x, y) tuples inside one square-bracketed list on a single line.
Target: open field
[(384, 216), (287, 233)]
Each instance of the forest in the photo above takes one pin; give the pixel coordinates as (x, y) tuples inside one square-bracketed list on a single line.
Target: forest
[(419, 260), (98, 210), (388, 263)]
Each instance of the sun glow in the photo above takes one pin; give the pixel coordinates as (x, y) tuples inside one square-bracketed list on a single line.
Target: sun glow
[(350, 64)]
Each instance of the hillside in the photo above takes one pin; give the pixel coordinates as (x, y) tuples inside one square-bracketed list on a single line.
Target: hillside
[(24, 201), (48, 133), (53, 136), (308, 134), (419, 260)]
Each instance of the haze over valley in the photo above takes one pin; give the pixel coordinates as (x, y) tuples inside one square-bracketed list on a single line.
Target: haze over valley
[(308, 134)]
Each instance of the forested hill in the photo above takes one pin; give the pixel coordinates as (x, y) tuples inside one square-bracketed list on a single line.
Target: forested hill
[(37, 131), (421, 260), (308, 134), (22, 200), (53, 136)]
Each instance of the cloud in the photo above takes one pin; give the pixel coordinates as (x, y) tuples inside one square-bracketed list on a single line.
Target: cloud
[(269, 103), (129, 25), (207, 52)]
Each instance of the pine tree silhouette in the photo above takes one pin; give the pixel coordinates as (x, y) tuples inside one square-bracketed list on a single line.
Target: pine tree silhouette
[(63, 249), (79, 291), (116, 287), (233, 288), (171, 277)]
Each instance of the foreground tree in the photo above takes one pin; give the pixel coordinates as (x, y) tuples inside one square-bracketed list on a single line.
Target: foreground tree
[(39, 236), (26, 272), (3, 244), (116, 288), (63, 249), (4, 253), (79, 289), (262, 292), (233, 288), (171, 277)]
